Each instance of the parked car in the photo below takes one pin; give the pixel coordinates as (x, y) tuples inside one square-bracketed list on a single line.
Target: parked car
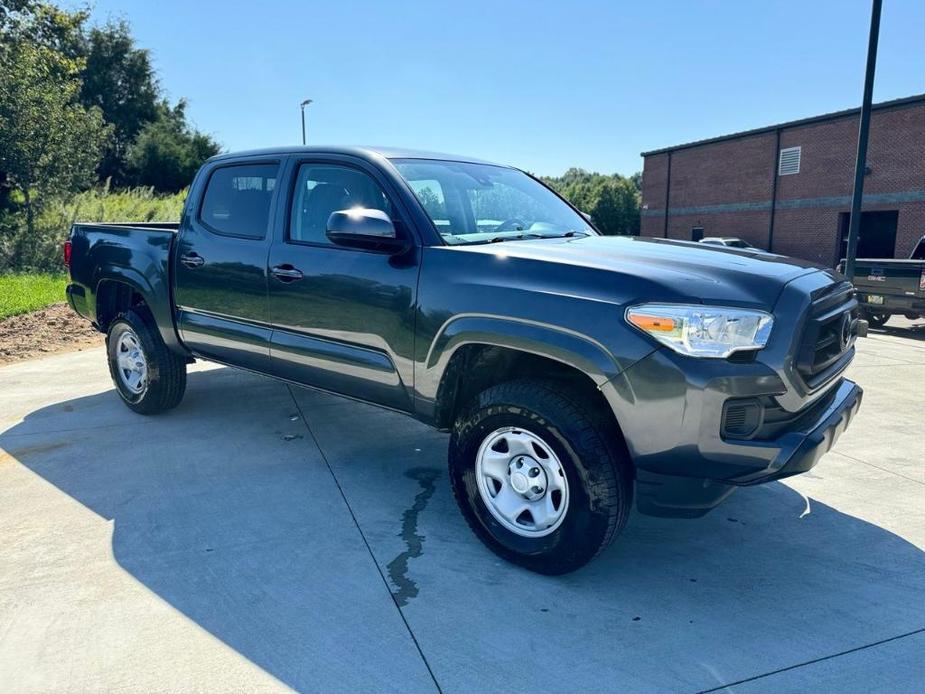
[(731, 242), (573, 371), (887, 286)]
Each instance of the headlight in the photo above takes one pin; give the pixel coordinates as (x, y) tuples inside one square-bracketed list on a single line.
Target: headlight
[(702, 331)]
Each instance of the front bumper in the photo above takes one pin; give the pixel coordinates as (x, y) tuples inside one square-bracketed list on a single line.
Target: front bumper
[(794, 452)]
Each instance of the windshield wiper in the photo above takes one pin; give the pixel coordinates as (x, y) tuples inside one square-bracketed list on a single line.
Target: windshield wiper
[(518, 237), (574, 233)]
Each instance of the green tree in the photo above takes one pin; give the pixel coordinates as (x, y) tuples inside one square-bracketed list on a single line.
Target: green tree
[(119, 80), (167, 151), (612, 201), (42, 25), (49, 143)]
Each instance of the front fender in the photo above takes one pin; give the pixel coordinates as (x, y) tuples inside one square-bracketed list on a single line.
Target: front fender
[(551, 341)]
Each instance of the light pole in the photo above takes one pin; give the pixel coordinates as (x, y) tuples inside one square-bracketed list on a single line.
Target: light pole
[(854, 224), (302, 106)]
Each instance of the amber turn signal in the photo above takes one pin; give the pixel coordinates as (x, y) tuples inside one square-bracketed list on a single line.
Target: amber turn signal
[(652, 323)]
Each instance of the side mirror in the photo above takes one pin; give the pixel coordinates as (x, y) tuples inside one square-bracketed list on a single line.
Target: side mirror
[(587, 216), (362, 227)]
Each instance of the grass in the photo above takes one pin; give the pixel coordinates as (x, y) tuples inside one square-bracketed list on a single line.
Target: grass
[(24, 292)]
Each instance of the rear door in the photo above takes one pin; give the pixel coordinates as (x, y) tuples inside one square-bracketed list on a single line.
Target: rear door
[(343, 318), (219, 271)]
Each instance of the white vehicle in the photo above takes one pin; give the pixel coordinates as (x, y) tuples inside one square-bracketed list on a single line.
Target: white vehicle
[(731, 242)]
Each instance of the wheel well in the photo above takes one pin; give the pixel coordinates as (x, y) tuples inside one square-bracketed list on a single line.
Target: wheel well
[(112, 298), (474, 367)]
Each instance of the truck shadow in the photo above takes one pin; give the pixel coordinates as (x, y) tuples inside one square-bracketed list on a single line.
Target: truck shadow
[(224, 509), (915, 331)]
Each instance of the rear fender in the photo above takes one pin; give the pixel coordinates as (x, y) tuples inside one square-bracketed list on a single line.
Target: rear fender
[(155, 291)]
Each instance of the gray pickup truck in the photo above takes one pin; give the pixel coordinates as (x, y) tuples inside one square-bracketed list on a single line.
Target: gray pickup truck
[(574, 371), (889, 286)]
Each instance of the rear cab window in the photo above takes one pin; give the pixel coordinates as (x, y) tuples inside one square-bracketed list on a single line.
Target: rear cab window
[(237, 199)]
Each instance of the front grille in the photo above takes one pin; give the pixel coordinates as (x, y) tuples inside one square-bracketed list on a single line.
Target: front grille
[(828, 334)]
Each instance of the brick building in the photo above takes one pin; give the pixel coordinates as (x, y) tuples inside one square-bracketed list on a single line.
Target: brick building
[(787, 187)]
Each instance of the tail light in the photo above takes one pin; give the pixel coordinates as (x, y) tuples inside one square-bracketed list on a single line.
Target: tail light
[(67, 254), (922, 281)]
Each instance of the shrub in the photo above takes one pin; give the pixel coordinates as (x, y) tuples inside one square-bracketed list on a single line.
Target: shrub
[(41, 250)]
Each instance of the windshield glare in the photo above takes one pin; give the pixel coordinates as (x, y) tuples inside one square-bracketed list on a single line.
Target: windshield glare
[(481, 203)]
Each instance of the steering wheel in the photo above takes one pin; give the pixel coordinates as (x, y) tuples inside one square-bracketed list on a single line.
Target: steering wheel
[(510, 225)]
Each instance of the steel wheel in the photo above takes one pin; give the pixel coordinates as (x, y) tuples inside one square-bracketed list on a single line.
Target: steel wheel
[(132, 366), (521, 482)]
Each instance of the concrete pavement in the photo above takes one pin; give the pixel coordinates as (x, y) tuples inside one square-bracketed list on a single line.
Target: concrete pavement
[(261, 537)]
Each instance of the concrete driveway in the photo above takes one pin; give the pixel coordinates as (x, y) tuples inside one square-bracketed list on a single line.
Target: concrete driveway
[(261, 537)]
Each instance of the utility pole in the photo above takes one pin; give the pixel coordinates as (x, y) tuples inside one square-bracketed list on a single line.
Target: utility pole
[(302, 106), (860, 165)]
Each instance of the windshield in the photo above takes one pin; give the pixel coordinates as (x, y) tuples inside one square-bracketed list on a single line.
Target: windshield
[(481, 203)]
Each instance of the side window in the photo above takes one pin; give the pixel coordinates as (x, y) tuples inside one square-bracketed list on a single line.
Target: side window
[(325, 188), (237, 200)]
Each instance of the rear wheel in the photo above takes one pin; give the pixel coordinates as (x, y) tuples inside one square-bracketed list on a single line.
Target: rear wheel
[(540, 475), (147, 375)]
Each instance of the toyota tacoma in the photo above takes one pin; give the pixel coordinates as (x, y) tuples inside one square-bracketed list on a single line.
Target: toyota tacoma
[(577, 373)]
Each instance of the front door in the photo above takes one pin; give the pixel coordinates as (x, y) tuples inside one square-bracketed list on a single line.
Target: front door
[(220, 266), (342, 318)]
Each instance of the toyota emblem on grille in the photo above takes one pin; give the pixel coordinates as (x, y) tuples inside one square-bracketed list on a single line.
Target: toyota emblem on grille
[(844, 336)]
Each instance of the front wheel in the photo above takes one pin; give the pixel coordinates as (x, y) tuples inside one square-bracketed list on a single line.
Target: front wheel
[(147, 375), (540, 475), (876, 320)]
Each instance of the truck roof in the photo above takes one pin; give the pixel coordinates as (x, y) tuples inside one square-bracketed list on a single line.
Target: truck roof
[(356, 151)]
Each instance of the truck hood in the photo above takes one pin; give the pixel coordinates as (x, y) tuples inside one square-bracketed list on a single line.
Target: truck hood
[(712, 274)]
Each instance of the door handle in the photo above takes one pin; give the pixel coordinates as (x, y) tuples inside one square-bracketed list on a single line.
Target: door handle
[(192, 260), (286, 273)]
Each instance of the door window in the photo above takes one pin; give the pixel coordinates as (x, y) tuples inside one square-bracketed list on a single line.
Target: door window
[(237, 200), (324, 188)]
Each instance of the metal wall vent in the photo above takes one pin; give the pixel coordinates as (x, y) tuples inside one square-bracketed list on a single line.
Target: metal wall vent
[(789, 162)]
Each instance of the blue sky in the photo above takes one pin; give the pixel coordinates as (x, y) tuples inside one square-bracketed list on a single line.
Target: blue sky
[(543, 86)]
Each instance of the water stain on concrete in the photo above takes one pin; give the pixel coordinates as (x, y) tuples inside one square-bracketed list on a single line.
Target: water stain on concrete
[(404, 589)]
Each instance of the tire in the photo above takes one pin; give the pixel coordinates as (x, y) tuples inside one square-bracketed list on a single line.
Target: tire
[(876, 320), (163, 382), (586, 445)]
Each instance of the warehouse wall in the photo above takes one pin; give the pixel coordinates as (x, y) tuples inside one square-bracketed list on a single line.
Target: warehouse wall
[(726, 186)]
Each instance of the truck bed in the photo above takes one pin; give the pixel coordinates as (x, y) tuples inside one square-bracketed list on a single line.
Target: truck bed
[(135, 254)]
